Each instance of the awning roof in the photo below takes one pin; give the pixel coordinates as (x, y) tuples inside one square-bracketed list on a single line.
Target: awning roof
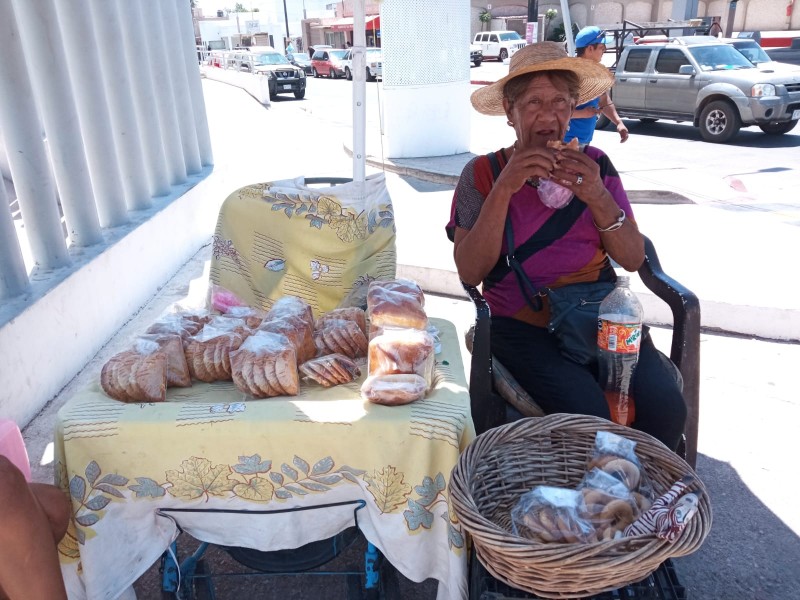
[(346, 23)]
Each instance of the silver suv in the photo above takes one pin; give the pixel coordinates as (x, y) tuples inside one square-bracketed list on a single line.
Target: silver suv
[(708, 83)]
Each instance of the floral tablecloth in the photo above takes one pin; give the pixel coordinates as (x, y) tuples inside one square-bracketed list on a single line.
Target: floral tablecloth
[(211, 447)]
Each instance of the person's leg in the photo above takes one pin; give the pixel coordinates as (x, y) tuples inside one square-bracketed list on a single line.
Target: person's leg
[(29, 567), (554, 382), (660, 407)]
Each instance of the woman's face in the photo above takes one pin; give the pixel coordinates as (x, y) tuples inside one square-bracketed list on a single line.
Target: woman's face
[(541, 112)]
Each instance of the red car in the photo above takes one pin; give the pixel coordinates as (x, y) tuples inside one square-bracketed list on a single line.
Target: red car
[(328, 62)]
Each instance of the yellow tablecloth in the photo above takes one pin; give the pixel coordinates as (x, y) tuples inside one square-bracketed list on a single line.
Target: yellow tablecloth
[(212, 447)]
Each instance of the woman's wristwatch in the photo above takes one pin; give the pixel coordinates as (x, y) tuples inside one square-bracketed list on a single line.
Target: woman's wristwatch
[(614, 226)]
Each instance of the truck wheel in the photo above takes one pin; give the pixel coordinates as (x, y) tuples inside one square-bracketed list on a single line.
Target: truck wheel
[(315, 72), (778, 128), (300, 94), (719, 122), (503, 54), (370, 76), (602, 122), (347, 74), (477, 62)]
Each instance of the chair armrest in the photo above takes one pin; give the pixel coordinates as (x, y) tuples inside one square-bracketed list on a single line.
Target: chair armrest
[(685, 351), (488, 409)]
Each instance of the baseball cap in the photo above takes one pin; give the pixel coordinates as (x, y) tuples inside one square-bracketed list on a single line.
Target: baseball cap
[(588, 36)]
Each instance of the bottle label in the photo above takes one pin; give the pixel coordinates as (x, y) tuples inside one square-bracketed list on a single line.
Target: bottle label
[(623, 338)]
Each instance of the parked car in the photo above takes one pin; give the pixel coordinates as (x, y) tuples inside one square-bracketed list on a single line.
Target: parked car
[(283, 77), (708, 83), (374, 64), (301, 60), (755, 54), (498, 44), (789, 55), (475, 55), (328, 63)]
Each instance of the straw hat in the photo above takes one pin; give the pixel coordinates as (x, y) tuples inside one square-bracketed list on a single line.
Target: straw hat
[(545, 56)]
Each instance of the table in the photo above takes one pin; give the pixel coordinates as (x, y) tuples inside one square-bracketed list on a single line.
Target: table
[(211, 447)]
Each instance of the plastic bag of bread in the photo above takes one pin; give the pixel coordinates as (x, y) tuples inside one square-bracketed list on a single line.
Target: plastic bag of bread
[(229, 323), (387, 307), (252, 317), (208, 353), (351, 313), (177, 323), (616, 455), (136, 375), (337, 336), (290, 306), (409, 351), (171, 344), (551, 515), (299, 331), (404, 286), (331, 369), (265, 365), (608, 504), (395, 389)]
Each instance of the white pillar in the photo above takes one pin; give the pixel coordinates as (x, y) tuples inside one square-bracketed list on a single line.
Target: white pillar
[(184, 17), (137, 54), (426, 83), (13, 277), (359, 92), (90, 99), (47, 67), (108, 31), (162, 88), (27, 159), (180, 84)]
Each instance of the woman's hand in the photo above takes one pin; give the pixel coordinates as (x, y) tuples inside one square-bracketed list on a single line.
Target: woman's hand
[(525, 164), (580, 174)]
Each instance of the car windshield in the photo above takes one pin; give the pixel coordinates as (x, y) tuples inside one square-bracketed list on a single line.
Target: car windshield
[(270, 58), (337, 53), (752, 52), (510, 36), (722, 57)]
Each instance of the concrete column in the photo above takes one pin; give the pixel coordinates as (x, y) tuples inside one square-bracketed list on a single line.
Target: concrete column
[(162, 86), (27, 159), (184, 16), (13, 276), (47, 67), (108, 32), (359, 68), (180, 84), (81, 46), (427, 101), (144, 99)]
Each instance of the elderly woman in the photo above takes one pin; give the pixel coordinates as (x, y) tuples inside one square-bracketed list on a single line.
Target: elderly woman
[(555, 246)]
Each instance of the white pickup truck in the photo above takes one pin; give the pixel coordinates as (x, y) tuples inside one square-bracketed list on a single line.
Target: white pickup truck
[(499, 45)]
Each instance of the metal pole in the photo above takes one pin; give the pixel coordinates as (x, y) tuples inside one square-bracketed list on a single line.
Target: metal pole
[(286, 19), (568, 27), (533, 17), (731, 16)]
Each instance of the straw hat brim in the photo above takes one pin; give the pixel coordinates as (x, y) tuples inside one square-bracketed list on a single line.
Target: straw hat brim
[(594, 79)]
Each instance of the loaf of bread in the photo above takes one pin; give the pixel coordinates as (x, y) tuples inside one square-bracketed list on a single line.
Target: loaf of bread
[(351, 313), (331, 369), (208, 353), (178, 323), (229, 323), (137, 375), (171, 345), (252, 316), (393, 390), (265, 366), (337, 336), (403, 286), (299, 331), (388, 308), (408, 351)]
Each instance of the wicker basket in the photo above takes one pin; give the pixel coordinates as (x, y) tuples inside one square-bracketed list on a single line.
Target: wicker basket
[(503, 463)]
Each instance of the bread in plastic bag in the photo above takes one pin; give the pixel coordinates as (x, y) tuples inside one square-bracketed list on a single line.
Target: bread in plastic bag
[(265, 365), (299, 331), (136, 375), (609, 506), (351, 313), (616, 455), (395, 307), (403, 286), (394, 389), (338, 336), (171, 344), (551, 515), (409, 351), (208, 352), (290, 306), (331, 370)]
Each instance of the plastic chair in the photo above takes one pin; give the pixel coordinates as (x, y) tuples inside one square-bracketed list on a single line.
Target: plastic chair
[(491, 386), (190, 577)]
